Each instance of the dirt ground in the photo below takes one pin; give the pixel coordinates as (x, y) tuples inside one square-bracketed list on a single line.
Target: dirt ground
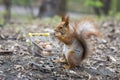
[(18, 63)]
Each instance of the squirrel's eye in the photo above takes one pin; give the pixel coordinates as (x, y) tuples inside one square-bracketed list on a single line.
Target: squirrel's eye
[(60, 27)]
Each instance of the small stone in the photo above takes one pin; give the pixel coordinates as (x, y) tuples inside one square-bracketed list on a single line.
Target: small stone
[(111, 58), (105, 24), (113, 49), (73, 72), (1, 72), (45, 53), (18, 67), (41, 62), (1, 62), (0, 46), (112, 70), (101, 46), (95, 78), (48, 67), (104, 41), (117, 31), (105, 71)]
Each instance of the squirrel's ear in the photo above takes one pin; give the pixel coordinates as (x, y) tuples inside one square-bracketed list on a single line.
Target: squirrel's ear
[(63, 18), (67, 19)]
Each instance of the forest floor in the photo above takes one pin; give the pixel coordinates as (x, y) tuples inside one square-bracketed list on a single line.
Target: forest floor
[(18, 61)]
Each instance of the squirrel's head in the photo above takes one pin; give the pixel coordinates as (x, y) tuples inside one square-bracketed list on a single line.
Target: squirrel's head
[(63, 27)]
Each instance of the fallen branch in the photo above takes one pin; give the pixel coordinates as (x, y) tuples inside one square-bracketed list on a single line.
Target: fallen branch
[(4, 52)]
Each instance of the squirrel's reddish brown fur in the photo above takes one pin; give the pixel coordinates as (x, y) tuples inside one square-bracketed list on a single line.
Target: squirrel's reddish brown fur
[(75, 38)]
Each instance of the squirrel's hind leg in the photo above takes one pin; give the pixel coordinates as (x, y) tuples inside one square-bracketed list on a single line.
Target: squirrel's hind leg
[(71, 60)]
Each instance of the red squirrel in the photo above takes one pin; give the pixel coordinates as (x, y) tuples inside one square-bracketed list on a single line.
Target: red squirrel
[(75, 39)]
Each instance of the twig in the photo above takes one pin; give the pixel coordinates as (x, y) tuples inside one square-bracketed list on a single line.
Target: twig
[(4, 52)]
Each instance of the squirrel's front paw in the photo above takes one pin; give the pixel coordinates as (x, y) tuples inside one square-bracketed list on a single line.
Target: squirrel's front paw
[(57, 34)]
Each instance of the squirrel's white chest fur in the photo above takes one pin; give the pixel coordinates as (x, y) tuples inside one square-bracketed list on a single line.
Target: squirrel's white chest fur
[(75, 47)]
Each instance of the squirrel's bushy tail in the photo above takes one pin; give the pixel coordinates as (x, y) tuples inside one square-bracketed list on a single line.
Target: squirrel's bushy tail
[(87, 27), (84, 30), (84, 45)]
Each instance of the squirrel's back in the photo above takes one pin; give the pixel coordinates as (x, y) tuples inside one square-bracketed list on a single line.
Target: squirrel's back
[(87, 27)]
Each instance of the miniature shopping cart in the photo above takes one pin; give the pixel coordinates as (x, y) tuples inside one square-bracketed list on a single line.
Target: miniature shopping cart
[(43, 44)]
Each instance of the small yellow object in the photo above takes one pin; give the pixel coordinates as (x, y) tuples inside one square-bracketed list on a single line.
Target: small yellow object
[(38, 34)]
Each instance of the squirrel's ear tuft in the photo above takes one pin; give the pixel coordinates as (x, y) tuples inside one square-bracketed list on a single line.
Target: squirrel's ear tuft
[(63, 18), (67, 19)]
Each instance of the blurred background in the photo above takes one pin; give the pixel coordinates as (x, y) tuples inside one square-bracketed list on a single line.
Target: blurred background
[(11, 10), (18, 18)]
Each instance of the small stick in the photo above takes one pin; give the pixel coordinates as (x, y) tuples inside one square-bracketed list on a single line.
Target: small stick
[(4, 52)]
